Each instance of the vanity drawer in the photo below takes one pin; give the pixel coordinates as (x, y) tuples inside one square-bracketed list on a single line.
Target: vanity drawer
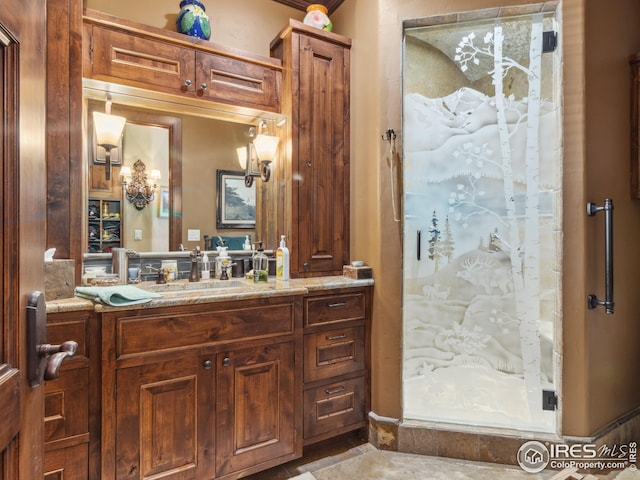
[(334, 407), (333, 352), (162, 332), (66, 406), (334, 308)]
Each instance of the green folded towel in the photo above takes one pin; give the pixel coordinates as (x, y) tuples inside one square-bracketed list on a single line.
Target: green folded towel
[(117, 295)]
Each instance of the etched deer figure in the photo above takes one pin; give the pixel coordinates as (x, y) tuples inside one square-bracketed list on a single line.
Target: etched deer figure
[(487, 273)]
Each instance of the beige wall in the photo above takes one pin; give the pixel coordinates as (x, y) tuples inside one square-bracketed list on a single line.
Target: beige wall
[(601, 359), (611, 350)]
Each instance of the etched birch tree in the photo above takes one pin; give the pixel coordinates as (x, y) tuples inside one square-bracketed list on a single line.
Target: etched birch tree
[(525, 254)]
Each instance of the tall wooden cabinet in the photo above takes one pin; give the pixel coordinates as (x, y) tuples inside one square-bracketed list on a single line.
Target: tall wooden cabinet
[(316, 86)]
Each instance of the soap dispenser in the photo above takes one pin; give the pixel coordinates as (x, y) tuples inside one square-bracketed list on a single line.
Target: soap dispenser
[(222, 263), (247, 243), (260, 266), (206, 267), (282, 260)]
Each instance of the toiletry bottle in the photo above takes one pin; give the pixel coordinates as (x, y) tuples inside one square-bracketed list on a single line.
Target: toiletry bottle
[(260, 266), (282, 260), (247, 243), (206, 267)]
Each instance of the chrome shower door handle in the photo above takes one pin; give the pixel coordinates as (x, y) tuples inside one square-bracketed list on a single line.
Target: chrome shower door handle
[(592, 300)]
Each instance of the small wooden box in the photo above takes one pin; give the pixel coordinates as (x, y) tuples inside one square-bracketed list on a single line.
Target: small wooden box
[(357, 273)]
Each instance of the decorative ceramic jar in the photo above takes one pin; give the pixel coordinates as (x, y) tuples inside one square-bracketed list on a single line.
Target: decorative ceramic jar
[(317, 17), (192, 20)]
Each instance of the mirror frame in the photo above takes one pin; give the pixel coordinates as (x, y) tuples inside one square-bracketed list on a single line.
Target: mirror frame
[(155, 119)]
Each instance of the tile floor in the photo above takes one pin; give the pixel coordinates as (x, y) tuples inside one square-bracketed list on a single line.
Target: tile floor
[(351, 458)]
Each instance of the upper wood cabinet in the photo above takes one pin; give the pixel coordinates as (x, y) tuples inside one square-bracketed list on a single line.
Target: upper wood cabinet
[(119, 51), (317, 82)]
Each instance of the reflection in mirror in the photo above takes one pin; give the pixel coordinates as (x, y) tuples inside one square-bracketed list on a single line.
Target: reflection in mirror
[(188, 149), (156, 140), (146, 229)]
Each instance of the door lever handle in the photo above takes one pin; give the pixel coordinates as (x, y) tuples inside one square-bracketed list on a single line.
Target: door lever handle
[(43, 360), (55, 355)]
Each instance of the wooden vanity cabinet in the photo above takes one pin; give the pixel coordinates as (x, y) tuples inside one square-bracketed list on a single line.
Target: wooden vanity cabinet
[(316, 86), (336, 363), (72, 402), (128, 53), (200, 391)]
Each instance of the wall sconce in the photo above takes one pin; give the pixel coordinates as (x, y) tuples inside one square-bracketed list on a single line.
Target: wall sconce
[(263, 148), (138, 190), (109, 129)]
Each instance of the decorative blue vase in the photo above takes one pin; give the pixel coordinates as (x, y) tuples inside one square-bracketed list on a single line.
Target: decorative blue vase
[(192, 20)]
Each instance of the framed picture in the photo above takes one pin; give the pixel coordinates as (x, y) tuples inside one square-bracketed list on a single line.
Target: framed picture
[(163, 203), (236, 203)]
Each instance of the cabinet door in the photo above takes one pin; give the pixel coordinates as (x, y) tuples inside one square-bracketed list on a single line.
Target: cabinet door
[(164, 424), (322, 186), (140, 62), (255, 407), (237, 82)]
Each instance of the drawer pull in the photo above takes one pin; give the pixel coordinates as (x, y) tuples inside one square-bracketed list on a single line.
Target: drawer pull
[(335, 305), (336, 337), (328, 391)]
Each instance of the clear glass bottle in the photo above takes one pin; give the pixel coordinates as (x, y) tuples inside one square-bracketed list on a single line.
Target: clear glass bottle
[(260, 266)]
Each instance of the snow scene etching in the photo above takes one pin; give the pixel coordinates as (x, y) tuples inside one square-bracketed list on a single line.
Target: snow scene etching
[(481, 188)]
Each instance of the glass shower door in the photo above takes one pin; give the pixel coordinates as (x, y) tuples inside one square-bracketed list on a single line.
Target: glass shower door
[(482, 164)]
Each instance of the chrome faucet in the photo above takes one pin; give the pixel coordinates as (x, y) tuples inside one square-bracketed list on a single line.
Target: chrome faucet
[(194, 273)]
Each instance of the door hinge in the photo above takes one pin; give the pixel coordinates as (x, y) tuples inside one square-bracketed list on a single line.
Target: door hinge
[(549, 400), (549, 41)]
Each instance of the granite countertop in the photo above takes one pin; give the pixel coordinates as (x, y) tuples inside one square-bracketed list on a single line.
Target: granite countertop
[(185, 293)]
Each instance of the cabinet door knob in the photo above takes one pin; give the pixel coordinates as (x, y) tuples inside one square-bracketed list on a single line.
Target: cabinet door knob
[(207, 364), (203, 86), (226, 362), (187, 83)]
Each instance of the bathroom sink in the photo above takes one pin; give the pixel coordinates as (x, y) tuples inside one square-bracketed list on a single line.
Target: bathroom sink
[(186, 286)]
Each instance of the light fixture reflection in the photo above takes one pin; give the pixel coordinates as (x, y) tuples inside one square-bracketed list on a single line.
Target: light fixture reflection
[(263, 148), (108, 129), (139, 190)]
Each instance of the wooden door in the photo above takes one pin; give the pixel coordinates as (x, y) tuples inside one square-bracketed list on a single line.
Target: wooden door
[(255, 408), (22, 203)]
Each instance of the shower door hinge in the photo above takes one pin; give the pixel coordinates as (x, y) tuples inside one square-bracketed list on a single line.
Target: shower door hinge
[(549, 400), (549, 41)]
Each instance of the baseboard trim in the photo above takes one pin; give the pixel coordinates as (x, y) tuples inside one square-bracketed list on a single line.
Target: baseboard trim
[(484, 445)]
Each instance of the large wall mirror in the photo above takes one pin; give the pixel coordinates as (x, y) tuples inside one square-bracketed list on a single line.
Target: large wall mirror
[(187, 145)]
